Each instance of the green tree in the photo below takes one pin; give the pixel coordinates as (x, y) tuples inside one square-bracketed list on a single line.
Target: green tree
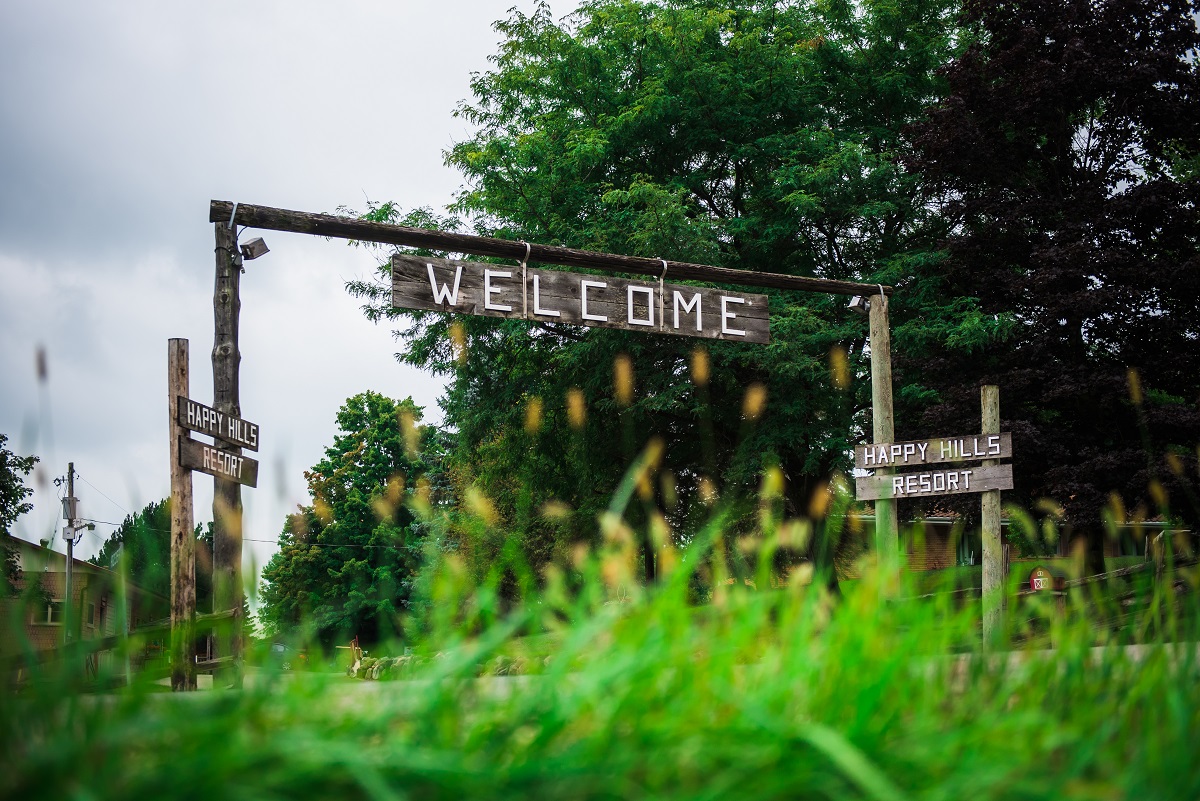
[(143, 540), (1066, 154), (759, 136), (347, 561), (13, 504)]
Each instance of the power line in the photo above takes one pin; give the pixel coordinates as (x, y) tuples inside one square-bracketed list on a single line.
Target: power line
[(252, 539), (322, 544), (97, 489)]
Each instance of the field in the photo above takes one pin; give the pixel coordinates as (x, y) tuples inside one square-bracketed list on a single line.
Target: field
[(589, 693)]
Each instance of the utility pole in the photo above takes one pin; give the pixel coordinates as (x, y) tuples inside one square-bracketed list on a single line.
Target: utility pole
[(227, 495), (71, 513)]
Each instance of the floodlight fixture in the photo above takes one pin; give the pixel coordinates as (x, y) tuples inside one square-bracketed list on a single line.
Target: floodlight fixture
[(860, 304), (254, 248)]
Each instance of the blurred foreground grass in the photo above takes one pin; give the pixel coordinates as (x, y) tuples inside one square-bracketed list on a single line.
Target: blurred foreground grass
[(777, 694)]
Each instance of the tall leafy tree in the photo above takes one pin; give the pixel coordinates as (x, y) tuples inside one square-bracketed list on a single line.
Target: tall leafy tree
[(143, 540), (13, 503), (755, 135), (1066, 152), (347, 561)]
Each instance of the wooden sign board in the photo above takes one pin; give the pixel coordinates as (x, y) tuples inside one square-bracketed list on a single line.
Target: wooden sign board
[(938, 450), (219, 463), (206, 420), (954, 481), (552, 296)]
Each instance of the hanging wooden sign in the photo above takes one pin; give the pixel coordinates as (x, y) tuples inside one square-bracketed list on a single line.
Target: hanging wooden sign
[(552, 296), (216, 462), (207, 420), (938, 450), (953, 481)]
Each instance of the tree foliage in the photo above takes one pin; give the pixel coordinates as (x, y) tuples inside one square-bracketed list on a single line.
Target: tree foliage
[(347, 561), (1066, 155), (143, 541), (759, 136), (13, 504)]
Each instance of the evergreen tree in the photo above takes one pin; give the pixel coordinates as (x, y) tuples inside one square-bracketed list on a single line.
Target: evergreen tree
[(347, 561)]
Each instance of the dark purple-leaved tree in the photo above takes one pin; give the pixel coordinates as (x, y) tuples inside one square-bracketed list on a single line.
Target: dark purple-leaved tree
[(1067, 154)]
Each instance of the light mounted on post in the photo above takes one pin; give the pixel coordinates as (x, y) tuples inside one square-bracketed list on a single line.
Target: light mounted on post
[(860, 305), (254, 248)]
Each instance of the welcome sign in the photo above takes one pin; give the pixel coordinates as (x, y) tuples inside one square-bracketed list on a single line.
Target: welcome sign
[(552, 296)]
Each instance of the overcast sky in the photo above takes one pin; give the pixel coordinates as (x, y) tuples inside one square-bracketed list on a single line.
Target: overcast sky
[(119, 121)]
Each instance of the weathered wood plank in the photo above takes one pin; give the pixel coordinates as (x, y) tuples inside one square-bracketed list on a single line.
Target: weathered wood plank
[(555, 296), (989, 520), (207, 420), (268, 218), (887, 524), (936, 450), (217, 462), (952, 481)]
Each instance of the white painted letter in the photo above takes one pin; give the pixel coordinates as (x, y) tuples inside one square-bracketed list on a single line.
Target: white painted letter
[(994, 445), (537, 302), (692, 305), (649, 292), (728, 315), (489, 290), (583, 312), (444, 293), (897, 485), (922, 448)]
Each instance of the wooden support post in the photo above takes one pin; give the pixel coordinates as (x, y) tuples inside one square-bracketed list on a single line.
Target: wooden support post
[(227, 495), (887, 527), (993, 556), (183, 538)]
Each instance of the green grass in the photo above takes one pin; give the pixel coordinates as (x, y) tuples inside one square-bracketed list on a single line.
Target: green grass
[(757, 695)]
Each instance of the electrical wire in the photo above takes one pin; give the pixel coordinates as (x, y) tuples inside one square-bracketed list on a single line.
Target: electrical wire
[(252, 539), (97, 489)]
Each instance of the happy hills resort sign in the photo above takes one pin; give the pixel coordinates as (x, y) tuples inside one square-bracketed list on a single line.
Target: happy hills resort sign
[(954, 480), (552, 296), (224, 429)]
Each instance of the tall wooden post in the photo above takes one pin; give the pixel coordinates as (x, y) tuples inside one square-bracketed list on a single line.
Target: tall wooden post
[(183, 538), (227, 495), (887, 527), (993, 556)]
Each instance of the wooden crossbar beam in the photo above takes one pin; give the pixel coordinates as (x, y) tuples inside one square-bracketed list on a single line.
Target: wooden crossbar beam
[(301, 222)]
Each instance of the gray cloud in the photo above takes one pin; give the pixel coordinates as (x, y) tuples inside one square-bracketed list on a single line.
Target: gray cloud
[(118, 123)]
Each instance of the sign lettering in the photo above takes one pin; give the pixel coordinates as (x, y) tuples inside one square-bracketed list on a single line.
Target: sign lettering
[(938, 450), (206, 420), (953, 481), (215, 462), (560, 297)]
